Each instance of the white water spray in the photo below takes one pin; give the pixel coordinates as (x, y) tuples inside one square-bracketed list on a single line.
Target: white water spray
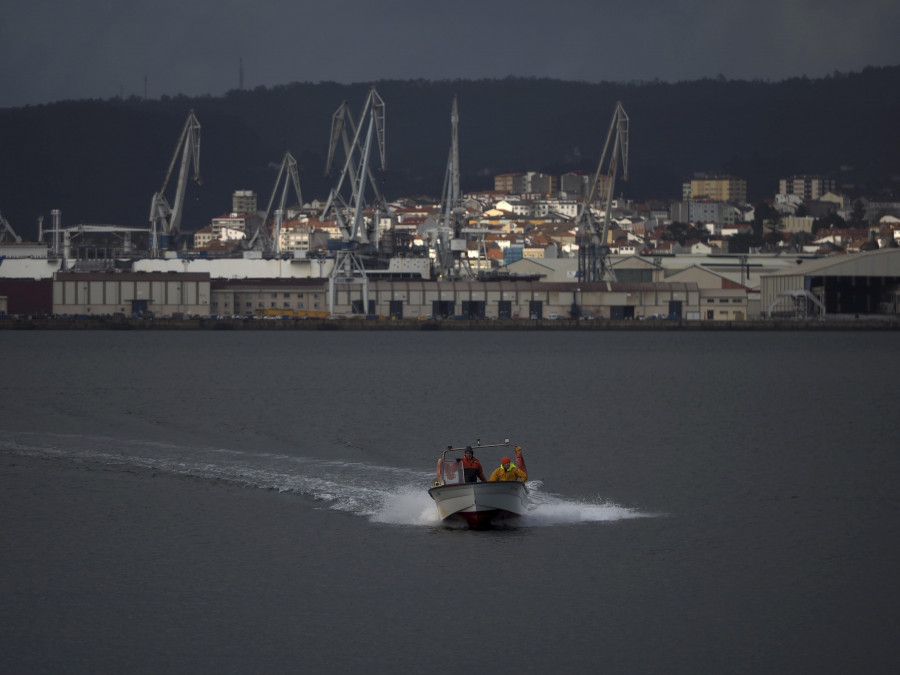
[(387, 495)]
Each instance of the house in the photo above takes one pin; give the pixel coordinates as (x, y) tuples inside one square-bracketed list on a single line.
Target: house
[(203, 236), (626, 246)]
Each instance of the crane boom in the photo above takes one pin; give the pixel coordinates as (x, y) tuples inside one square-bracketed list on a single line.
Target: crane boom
[(345, 130), (7, 229), (358, 175), (593, 246), (451, 255), (288, 170), (165, 219), (451, 181)]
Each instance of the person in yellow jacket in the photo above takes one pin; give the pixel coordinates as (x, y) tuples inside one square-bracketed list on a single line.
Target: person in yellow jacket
[(509, 471)]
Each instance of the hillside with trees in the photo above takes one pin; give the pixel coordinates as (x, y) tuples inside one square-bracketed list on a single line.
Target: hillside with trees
[(100, 161)]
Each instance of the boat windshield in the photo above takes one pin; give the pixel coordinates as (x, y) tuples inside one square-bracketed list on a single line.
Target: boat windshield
[(451, 471)]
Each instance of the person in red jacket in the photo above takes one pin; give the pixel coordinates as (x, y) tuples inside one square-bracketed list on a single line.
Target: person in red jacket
[(472, 467)]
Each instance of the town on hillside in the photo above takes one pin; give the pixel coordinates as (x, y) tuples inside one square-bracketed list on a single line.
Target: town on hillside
[(710, 256), (533, 215)]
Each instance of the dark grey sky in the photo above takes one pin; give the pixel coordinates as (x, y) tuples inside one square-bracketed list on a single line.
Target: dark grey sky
[(63, 49)]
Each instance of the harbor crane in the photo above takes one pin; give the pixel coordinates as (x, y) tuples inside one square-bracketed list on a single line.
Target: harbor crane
[(593, 244), (262, 239), (346, 202), (7, 231), (165, 219), (450, 244), (347, 198)]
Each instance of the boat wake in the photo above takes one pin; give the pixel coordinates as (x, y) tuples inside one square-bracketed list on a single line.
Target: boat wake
[(550, 509), (383, 494), (412, 506)]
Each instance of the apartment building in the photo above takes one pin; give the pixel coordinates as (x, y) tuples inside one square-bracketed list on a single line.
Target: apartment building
[(543, 183), (704, 211), (526, 182), (716, 188), (233, 226), (806, 187), (574, 183), (295, 235), (505, 182), (243, 201)]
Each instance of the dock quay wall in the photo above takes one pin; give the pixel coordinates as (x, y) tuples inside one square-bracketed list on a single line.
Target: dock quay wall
[(382, 324)]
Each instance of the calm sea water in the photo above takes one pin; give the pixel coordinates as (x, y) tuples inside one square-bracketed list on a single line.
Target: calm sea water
[(256, 502)]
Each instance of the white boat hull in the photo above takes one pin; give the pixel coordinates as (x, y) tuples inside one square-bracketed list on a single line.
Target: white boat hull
[(479, 504)]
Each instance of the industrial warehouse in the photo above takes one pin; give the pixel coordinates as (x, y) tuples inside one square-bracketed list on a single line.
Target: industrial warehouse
[(177, 294), (864, 284)]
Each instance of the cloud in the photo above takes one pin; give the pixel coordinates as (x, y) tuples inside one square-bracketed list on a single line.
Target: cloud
[(55, 49)]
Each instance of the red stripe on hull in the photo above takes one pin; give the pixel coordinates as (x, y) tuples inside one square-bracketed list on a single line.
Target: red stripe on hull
[(482, 520)]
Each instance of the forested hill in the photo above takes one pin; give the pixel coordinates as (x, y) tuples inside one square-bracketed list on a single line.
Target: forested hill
[(101, 161)]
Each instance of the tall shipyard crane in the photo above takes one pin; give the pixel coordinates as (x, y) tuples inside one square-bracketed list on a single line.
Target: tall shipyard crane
[(593, 245), (450, 245), (165, 219), (346, 202), (262, 239)]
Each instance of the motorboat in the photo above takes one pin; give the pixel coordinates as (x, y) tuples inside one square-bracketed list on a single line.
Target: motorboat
[(477, 504)]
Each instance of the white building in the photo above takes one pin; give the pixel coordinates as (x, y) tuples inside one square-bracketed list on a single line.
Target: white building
[(231, 224)]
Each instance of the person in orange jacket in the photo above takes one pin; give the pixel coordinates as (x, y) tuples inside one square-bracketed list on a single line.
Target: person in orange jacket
[(509, 471), (472, 467)]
